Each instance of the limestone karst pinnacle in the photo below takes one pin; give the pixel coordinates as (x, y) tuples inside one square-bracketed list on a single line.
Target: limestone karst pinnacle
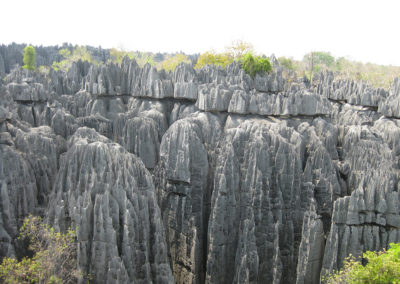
[(200, 176)]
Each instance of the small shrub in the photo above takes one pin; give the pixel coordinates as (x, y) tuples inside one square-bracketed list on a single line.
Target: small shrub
[(54, 259), (255, 64), (381, 267)]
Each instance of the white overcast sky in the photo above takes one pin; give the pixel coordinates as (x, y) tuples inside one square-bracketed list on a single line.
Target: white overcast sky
[(368, 31)]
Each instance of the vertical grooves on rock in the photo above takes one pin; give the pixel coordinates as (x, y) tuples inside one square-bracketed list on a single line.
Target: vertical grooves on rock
[(257, 180), (34, 115), (120, 232)]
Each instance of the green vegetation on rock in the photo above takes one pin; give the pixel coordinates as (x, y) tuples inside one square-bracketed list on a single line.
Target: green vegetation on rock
[(213, 58), (381, 267), (118, 54), (241, 52), (234, 52), (311, 63), (78, 53), (317, 61), (171, 62), (141, 58), (29, 58), (54, 256), (255, 64)]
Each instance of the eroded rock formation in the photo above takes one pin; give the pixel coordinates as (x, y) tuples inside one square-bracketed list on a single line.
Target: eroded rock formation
[(200, 176)]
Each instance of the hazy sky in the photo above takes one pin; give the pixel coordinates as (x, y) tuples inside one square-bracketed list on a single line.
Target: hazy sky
[(361, 30)]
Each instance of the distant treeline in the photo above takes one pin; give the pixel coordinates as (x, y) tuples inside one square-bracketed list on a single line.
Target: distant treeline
[(314, 62), (61, 57)]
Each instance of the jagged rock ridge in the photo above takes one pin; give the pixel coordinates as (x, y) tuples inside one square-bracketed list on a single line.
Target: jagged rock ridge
[(200, 176)]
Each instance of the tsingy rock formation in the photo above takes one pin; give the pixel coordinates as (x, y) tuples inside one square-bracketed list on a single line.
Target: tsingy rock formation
[(199, 176)]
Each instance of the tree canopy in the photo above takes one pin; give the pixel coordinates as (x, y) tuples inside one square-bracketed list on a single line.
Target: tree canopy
[(78, 53), (213, 58), (233, 52), (238, 48), (29, 58), (170, 63)]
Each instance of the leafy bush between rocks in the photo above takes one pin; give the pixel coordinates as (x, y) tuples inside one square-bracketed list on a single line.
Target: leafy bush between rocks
[(54, 259), (255, 64), (239, 51), (381, 267)]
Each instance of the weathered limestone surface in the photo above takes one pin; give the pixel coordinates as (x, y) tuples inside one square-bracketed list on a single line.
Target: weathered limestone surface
[(18, 194), (187, 152), (256, 208), (129, 79), (368, 217), (390, 106), (109, 196), (186, 91), (200, 176), (355, 93), (41, 148), (311, 248)]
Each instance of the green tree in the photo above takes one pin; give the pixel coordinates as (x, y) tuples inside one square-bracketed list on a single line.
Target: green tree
[(213, 58), (238, 48), (143, 58), (323, 58), (255, 64), (118, 54), (287, 63), (171, 62), (29, 58), (316, 61), (381, 267), (78, 53), (54, 259)]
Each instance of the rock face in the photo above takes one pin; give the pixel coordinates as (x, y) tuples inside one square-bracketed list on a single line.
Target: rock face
[(255, 204), (187, 153), (367, 219), (109, 195), (199, 176)]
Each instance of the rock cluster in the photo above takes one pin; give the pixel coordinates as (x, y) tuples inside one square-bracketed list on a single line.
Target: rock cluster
[(109, 195), (200, 176)]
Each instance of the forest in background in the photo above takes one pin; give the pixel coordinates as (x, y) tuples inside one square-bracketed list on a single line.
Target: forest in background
[(61, 58)]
